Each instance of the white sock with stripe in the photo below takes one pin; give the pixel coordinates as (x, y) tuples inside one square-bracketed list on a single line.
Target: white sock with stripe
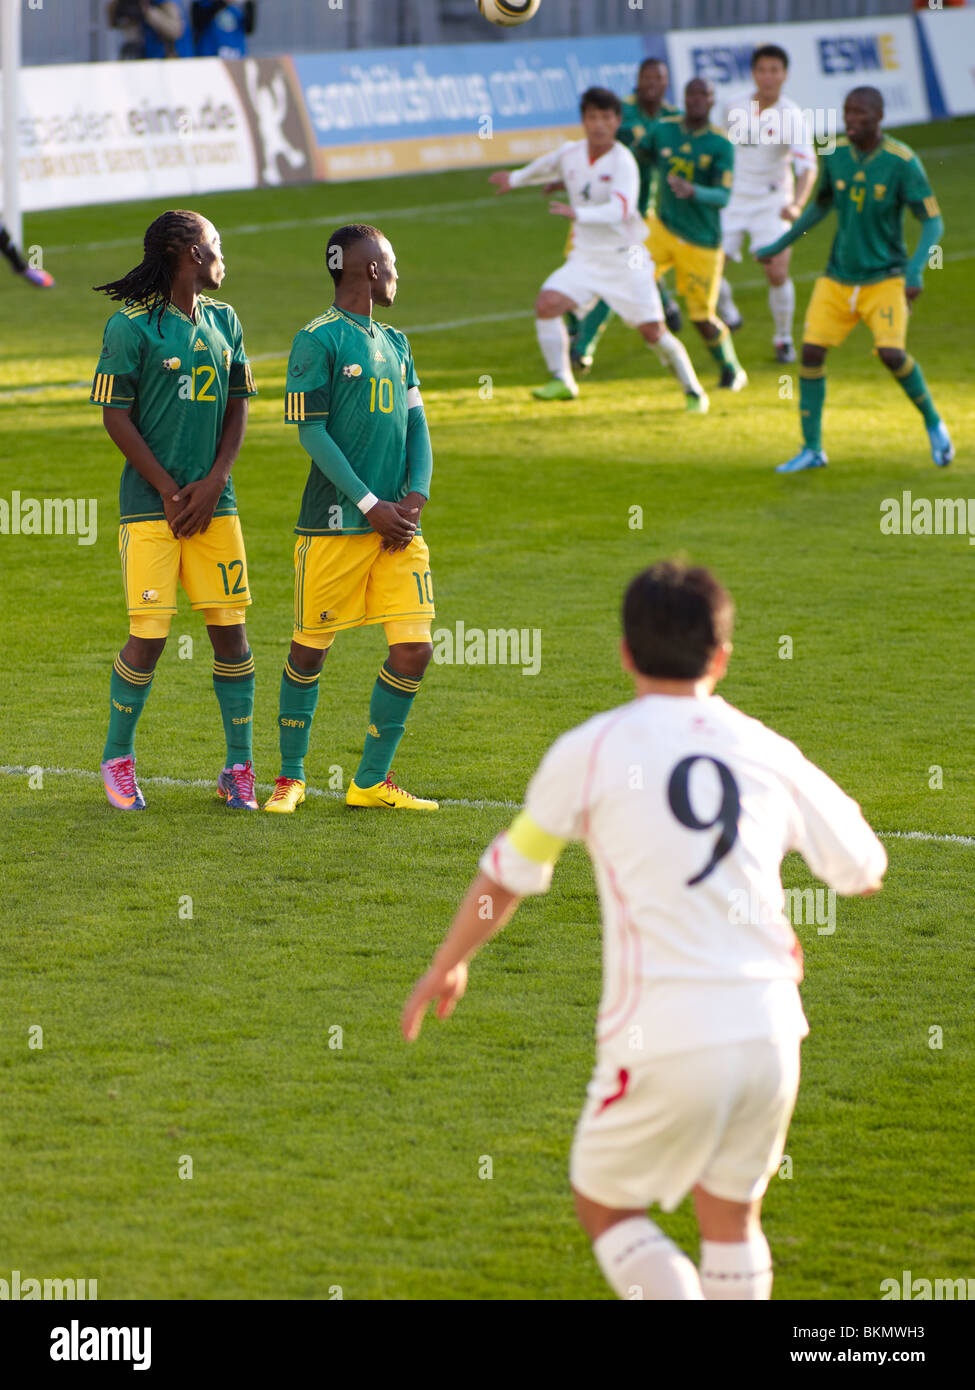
[(673, 354), (553, 339), (736, 1271), (782, 302), (640, 1262)]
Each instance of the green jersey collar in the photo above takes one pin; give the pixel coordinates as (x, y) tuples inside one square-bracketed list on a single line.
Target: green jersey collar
[(362, 321)]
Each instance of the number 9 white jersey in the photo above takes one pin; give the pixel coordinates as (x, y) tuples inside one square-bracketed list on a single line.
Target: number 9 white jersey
[(687, 807)]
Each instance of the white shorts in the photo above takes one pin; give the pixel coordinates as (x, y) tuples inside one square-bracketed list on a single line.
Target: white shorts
[(624, 279), (758, 218), (718, 1117)]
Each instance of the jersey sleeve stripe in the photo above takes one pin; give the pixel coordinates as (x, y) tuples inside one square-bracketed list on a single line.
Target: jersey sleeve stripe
[(931, 207)]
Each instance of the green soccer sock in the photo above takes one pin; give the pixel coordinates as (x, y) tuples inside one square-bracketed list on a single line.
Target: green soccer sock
[(910, 378), (591, 328), (299, 696), (129, 693), (812, 395), (722, 350), (233, 684), (392, 697)]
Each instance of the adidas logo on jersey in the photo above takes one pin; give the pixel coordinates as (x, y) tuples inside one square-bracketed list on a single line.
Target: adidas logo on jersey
[(377, 356), (199, 345)]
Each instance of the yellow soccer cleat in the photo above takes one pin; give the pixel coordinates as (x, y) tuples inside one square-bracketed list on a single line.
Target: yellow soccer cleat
[(288, 794), (386, 796)]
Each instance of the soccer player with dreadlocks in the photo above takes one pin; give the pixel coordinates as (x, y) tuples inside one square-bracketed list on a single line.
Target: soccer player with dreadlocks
[(173, 382)]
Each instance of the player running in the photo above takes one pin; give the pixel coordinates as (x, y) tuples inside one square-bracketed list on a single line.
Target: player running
[(696, 161), (869, 179), (34, 275), (607, 258), (771, 136), (640, 111), (686, 807), (353, 392), (173, 381)]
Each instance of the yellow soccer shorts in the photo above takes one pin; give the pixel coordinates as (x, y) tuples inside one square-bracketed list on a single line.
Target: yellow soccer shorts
[(350, 581), (697, 268), (211, 566), (835, 309)]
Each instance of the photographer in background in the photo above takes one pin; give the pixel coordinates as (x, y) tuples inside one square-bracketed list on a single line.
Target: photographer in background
[(220, 27), (152, 28)]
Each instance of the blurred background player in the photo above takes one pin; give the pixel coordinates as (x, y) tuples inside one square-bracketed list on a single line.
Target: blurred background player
[(697, 1053), (869, 179), (640, 110), (696, 161), (173, 381), (19, 266), (220, 27), (152, 28), (771, 138), (353, 392), (607, 258)]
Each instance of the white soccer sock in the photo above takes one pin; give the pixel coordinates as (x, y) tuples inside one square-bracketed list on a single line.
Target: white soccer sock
[(640, 1262), (782, 302), (673, 354), (726, 304), (553, 339), (736, 1271)]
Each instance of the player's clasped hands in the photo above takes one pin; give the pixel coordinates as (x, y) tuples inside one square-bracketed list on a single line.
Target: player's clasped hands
[(394, 522), (191, 508)]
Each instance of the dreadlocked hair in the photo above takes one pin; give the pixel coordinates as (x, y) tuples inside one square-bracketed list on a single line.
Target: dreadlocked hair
[(151, 282)]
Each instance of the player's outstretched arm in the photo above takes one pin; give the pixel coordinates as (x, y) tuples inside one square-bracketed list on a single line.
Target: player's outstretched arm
[(198, 501), (815, 211), (932, 230), (484, 911)]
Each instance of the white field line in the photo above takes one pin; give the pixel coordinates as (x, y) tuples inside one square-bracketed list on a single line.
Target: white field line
[(412, 330), (210, 784), (334, 219), (479, 805)]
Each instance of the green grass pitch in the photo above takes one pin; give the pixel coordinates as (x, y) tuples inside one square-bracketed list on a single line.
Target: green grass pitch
[(317, 1167)]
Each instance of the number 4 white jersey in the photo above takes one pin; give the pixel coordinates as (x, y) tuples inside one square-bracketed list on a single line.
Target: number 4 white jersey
[(604, 193), (687, 807)]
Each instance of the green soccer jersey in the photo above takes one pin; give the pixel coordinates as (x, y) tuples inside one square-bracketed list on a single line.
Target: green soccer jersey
[(635, 127), (175, 377), (870, 193), (351, 374), (705, 157)]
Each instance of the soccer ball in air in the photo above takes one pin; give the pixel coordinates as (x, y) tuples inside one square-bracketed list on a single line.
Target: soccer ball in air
[(508, 11)]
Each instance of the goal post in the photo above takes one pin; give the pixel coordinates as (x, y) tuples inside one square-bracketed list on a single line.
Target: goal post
[(10, 79)]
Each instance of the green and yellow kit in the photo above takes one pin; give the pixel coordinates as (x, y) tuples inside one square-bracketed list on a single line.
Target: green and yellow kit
[(869, 193), (175, 376), (635, 127), (353, 375), (704, 157)]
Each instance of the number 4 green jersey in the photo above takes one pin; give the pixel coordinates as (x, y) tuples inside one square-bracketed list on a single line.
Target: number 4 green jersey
[(870, 193), (175, 376), (352, 374)]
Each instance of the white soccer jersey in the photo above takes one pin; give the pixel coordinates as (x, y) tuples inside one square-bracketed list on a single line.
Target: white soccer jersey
[(604, 193), (768, 144), (687, 807)]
